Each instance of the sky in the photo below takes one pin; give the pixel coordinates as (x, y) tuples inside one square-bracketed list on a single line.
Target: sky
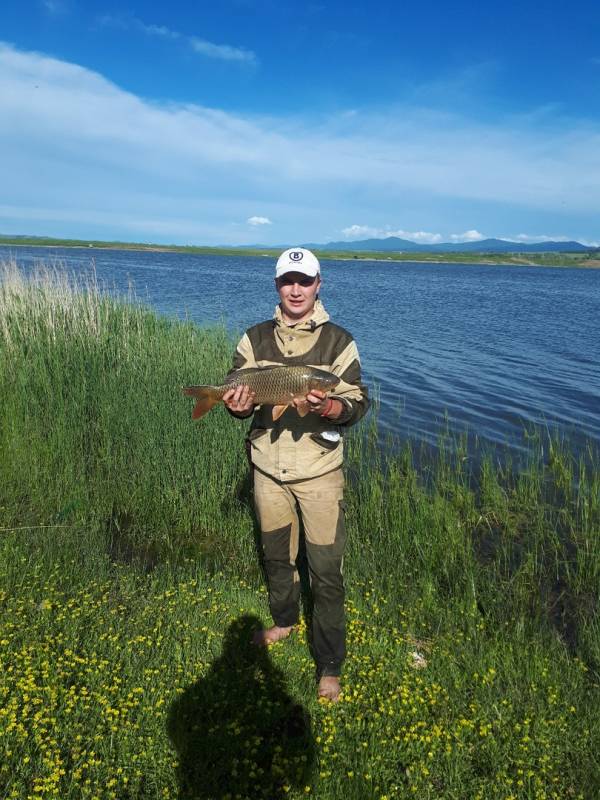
[(278, 122)]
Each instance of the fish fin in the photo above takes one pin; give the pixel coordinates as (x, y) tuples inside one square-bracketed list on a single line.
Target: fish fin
[(278, 411), (206, 398), (303, 409)]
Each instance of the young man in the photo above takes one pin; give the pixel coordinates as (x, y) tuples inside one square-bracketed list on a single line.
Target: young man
[(297, 460)]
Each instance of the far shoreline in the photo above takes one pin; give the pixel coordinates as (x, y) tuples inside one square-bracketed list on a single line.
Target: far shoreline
[(549, 259)]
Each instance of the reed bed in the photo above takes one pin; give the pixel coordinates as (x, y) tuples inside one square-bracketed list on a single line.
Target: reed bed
[(130, 579)]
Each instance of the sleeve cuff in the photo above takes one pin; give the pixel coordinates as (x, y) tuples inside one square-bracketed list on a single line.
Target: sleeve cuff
[(347, 410)]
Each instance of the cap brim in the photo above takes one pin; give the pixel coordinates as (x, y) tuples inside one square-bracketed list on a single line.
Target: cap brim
[(311, 272)]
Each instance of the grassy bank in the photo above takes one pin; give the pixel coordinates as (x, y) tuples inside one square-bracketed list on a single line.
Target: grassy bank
[(590, 260), (130, 581)]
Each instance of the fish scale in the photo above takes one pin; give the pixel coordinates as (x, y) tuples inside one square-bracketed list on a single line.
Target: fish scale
[(274, 385)]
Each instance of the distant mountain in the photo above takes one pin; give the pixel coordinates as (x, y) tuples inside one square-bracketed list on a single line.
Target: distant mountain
[(19, 236), (394, 244), (391, 243), (504, 246)]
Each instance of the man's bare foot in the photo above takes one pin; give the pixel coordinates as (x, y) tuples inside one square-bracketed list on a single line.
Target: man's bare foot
[(267, 636), (329, 688)]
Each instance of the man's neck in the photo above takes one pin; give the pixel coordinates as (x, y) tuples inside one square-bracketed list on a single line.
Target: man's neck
[(293, 321)]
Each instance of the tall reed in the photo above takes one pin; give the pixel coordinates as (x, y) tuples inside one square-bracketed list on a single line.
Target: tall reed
[(127, 545), (94, 427), (95, 432)]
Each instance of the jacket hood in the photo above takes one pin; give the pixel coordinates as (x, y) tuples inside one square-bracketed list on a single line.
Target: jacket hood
[(318, 317)]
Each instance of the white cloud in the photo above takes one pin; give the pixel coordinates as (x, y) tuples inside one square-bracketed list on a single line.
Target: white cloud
[(223, 52), (158, 30), (421, 237), (55, 6), (368, 232), (81, 142), (535, 238), (259, 221), (361, 232), (467, 236), (532, 238)]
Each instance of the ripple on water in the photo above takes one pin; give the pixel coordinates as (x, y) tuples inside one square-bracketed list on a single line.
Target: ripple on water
[(491, 350)]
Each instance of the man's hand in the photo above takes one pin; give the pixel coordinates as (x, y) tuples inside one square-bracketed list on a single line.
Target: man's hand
[(319, 403), (240, 399)]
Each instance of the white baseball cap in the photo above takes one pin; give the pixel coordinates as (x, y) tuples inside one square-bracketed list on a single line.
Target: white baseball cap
[(297, 259)]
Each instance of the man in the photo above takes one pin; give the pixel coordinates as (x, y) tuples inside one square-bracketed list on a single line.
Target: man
[(297, 460)]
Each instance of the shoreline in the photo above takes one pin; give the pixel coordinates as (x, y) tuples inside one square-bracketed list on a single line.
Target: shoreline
[(469, 260)]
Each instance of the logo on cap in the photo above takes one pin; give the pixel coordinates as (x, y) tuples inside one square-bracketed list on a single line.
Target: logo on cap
[(296, 255)]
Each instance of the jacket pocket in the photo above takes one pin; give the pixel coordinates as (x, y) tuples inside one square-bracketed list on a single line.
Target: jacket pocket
[(324, 443)]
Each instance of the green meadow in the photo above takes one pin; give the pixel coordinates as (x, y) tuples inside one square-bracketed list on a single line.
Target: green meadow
[(130, 583)]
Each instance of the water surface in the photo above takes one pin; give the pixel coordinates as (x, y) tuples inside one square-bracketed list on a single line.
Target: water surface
[(490, 350)]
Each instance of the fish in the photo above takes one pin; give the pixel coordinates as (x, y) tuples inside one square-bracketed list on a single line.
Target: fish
[(278, 386)]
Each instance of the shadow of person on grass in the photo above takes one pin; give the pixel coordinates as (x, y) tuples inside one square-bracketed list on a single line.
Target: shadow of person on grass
[(237, 731)]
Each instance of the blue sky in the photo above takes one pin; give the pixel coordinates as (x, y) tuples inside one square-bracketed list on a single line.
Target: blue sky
[(283, 122)]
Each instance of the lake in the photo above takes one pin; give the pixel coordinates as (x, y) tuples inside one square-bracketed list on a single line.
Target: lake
[(488, 350)]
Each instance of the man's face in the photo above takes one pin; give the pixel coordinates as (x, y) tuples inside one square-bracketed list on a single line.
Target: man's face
[(297, 293)]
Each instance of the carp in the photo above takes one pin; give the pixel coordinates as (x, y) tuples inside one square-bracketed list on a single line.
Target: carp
[(276, 386)]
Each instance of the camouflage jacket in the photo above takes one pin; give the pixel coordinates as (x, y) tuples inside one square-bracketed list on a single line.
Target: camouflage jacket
[(295, 448)]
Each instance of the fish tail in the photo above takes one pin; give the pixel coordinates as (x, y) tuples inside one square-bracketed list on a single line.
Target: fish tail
[(206, 398)]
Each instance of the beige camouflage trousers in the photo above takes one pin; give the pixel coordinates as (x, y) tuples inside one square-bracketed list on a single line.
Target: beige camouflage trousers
[(319, 503)]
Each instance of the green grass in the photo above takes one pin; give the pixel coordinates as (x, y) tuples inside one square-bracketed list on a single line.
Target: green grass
[(588, 259), (130, 581)]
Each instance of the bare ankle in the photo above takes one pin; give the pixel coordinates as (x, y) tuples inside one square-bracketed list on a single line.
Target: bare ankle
[(329, 688), (268, 636)]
